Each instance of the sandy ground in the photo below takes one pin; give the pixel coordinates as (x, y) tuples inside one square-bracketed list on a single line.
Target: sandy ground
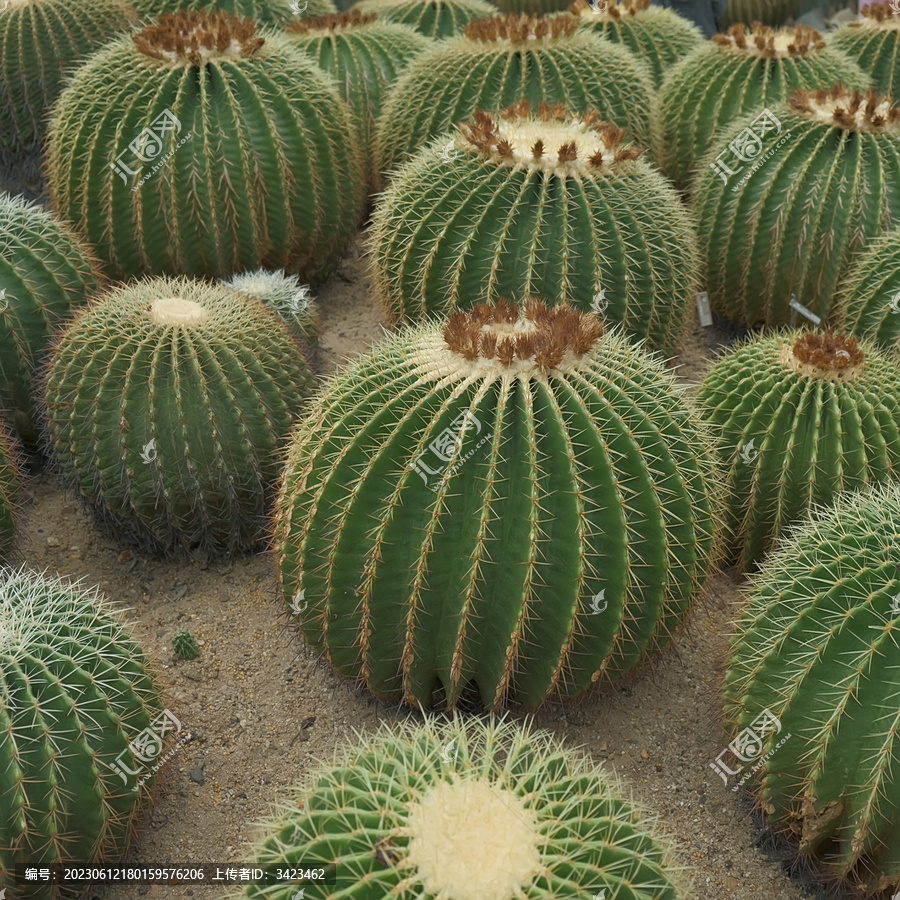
[(244, 700)]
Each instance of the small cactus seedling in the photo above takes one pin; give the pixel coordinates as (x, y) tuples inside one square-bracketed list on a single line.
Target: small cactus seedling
[(11, 492), (45, 273), (266, 12), (168, 404), (364, 54), (185, 645), (799, 417), (873, 43), (774, 13), (81, 724), (40, 41), (815, 666), (199, 146), (431, 18), (503, 59), (468, 809), (813, 192), (744, 71), (868, 301), (656, 35), (546, 203), (284, 294), (514, 505)]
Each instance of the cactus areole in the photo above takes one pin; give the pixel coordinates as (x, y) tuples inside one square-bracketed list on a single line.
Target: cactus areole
[(517, 505), (829, 356)]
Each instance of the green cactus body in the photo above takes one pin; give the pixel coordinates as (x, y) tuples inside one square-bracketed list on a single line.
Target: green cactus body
[(185, 645), (11, 492), (774, 13), (800, 418), (45, 273), (266, 12), (365, 56), (483, 809), (431, 18), (40, 40), (501, 60), (168, 403), (654, 34), (735, 75), (874, 44), (517, 506), (249, 155), (813, 666), (581, 221), (868, 300), (823, 184), (286, 296), (77, 701), (532, 7)]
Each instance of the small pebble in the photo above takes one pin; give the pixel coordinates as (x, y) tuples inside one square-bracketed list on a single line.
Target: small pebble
[(52, 542), (197, 775), (125, 556), (645, 754)]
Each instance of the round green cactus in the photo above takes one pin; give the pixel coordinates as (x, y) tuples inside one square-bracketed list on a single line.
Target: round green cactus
[(774, 13), (172, 157), (532, 7), (365, 56), (45, 273), (40, 41), (733, 75), (554, 205), (654, 34), (820, 177), (813, 668), (11, 492), (284, 294), (266, 12), (518, 505), (185, 645), (168, 403), (799, 418), (81, 724), (874, 44), (502, 59), (468, 808), (868, 300), (431, 18)]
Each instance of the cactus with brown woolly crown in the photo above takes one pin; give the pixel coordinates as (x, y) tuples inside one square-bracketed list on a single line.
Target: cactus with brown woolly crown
[(552, 203), (168, 404), (656, 35), (500, 60), (810, 194), (513, 505), (799, 418), (733, 75), (431, 18), (203, 146), (873, 43)]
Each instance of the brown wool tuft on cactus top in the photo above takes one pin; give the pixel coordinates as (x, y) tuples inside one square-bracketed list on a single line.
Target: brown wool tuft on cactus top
[(615, 9), (520, 138), (197, 36), (848, 109), (760, 40), (827, 355), (539, 333), (515, 28), (353, 18), (879, 12)]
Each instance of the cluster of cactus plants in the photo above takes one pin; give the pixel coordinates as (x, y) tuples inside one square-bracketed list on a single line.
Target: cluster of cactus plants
[(500, 60), (537, 202), (200, 146), (561, 461), (872, 43), (735, 74), (832, 152), (167, 404)]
